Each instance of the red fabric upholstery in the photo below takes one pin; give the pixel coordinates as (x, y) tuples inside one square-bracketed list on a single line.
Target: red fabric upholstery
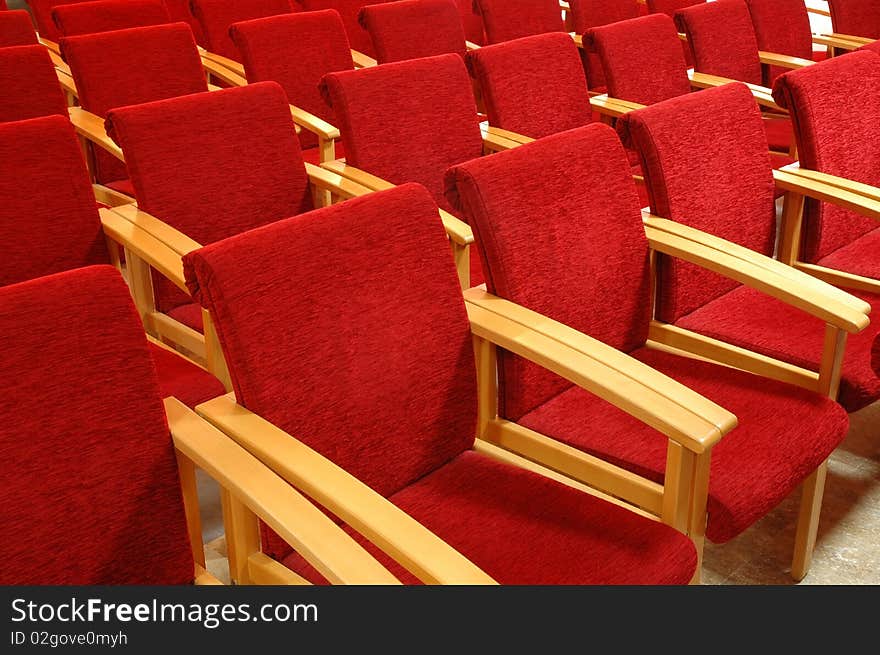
[(875, 356), (534, 86), (30, 85), (491, 512), (706, 164), (16, 28), (586, 14), (182, 379), (722, 39), (129, 67), (471, 21), (532, 206), (213, 164), (625, 47), (857, 17), (577, 253), (874, 46), (41, 10), (84, 442), (179, 10), (505, 20), (503, 518), (781, 26), (835, 109), (3, 5), (215, 17), (295, 50), (409, 29), (669, 7), (106, 15), (348, 10), (47, 201), (313, 155)]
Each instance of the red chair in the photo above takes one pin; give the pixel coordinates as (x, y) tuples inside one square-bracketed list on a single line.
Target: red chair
[(41, 10), (426, 108), (30, 84), (860, 18), (504, 20), (16, 28), (49, 204), (348, 10), (875, 360), (669, 8), (3, 5), (577, 257), (433, 504), (409, 29), (586, 14), (127, 67), (215, 17), (471, 21), (206, 166), (88, 445), (296, 50), (106, 15), (180, 10)]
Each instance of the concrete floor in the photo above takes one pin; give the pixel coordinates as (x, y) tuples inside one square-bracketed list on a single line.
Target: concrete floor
[(847, 547)]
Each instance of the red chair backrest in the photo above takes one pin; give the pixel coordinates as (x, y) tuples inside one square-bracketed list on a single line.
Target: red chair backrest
[(180, 10), (41, 10), (215, 17), (106, 15), (857, 17), (348, 10), (504, 20), (30, 84), (781, 26), (586, 14), (409, 29), (16, 28)]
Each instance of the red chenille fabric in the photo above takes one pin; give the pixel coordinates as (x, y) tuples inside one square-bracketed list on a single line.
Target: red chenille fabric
[(586, 14), (857, 17), (875, 356), (873, 46), (669, 7), (577, 253), (505, 20), (409, 29), (215, 17), (295, 50), (348, 10), (835, 109), (556, 217), (16, 28), (471, 21), (706, 164), (534, 85), (41, 10), (722, 39), (522, 528), (106, 15), (180, 10), (213, 164), (85, 443), (3, 5), (129, 67), (30, 85), (625, 47), (781, 26)]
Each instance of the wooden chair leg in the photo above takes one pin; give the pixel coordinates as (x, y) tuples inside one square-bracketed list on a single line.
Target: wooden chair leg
[(812, 490), (242, 537)]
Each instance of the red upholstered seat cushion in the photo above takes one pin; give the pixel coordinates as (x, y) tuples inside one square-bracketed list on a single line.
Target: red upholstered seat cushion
[(313, 155), (348, 10), (781, 26), (123, 186), (625, 48), (780, 133), (215, 17), (106, 15), (859, 256), (295, 50), (30, 85), (16, 28), (522, 528), (858, 17), (722, 39), (753, 468), (586, 14), (534, 85), (706, 164), (180, 10), (84, 440), (283, 326), (41, 10), (409, 29), (504, 20), (835, 108), (213, 164), (180, 378), (129, 67)]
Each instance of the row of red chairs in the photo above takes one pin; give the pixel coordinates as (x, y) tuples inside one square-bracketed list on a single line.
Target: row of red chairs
[(216, 149)]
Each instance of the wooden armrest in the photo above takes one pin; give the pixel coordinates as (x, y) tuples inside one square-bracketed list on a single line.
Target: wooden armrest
[(763, 96), (399, 535), (836, 42), (233, 77), (755, 270), (498, 140), (458, 231), (578, 39), (154, 252), (361, 60), (158, 229), (614, 107), (816, 185), (776, 59), (235, 66), (58, 62), (51, 45), (818, 11), (681, 414), (296, 519), (313, 124), (469, 45), (861, 40), (91, 127), (335, 183), (66, 82)]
